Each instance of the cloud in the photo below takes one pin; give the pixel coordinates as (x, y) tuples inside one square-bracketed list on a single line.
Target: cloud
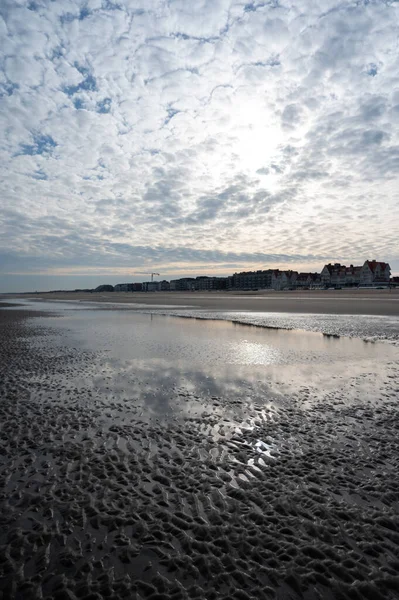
[(292, 116), (254, 130)]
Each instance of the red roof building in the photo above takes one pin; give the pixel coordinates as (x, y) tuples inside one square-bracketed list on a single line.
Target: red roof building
[(374, 272)]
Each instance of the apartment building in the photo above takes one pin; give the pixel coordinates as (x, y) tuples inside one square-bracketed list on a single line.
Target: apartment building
[(182, 285), (251, 280), (210, 283)]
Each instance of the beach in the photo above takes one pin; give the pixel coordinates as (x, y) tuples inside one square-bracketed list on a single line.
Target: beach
[(344, 301), (146, 455)]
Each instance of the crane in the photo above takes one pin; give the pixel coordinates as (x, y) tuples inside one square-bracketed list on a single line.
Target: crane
[(152, 275)]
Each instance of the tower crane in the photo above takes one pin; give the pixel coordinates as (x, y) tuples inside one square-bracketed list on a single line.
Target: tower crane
[(152, 275)]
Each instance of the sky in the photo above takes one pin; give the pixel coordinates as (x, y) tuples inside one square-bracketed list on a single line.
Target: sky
[(195, 138)]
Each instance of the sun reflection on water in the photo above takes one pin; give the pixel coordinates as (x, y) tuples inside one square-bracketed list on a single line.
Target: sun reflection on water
[(252, 353)]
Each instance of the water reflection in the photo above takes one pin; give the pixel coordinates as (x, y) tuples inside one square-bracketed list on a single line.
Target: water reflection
[(164, 364), (128, 335)]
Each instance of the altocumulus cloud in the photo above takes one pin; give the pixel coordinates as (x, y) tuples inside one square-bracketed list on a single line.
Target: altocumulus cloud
[(177, 134)]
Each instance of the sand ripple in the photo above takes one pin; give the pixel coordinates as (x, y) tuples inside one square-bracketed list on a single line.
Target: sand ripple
[(287, 504)]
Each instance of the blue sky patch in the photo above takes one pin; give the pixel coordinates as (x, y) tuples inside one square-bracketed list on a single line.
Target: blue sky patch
[(372, 70), (69, 17), (42, 144), (8, 88), (171, 113), (78, 103), (89, 83), (40, 175), (104, 106)]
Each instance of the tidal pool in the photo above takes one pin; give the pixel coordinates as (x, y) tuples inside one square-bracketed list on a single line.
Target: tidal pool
[(162, 362)]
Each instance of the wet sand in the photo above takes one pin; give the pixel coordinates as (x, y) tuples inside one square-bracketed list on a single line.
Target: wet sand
[(356, 302), (291, 499)]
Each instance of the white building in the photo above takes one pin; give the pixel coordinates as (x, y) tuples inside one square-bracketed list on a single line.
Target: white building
[(333, 275), (371, 273), (374, 273), (284, 280), (307, 280)]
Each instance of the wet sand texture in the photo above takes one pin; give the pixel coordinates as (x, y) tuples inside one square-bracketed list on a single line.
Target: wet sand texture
[(340, 302), (188, 508)]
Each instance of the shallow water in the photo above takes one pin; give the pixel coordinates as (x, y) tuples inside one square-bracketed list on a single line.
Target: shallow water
[(368, 327), (158, 360)]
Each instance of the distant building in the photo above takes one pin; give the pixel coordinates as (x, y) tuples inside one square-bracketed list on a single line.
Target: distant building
[(371, 273), (308, 280), (315, 281), (333, 275), (337, 275), (183, 284), (352, 276), (104, 288), (210, 283), (164, 286), (284, 280), (128, 287), (374, 273), (123, 287), (150, 286), (250, 280)]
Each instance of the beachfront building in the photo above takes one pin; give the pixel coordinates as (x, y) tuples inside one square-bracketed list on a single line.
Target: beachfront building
[(123, 287), (164, 286), (128, 287), (375, 273), (352, 276), (284, 280), (315, 281), (371, 273), (303, 281), (210, 283), (308, 281), (250, 280), (333, 275), (278, 280), (337, 275), (150, 286), (182, 285)]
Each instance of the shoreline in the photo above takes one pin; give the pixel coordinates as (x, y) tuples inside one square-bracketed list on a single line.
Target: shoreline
[(337, 302), (362, 325)]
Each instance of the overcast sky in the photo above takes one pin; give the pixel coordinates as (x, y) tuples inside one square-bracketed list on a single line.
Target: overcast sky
[(195, 138)]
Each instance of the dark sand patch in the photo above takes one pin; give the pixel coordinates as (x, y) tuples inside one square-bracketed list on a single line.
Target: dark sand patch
[(290, 504)]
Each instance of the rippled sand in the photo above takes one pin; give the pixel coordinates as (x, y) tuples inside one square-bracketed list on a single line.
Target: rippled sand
[(101, 501)]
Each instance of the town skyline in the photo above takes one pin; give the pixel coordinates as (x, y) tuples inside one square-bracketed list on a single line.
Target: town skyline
[(370, 272)]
